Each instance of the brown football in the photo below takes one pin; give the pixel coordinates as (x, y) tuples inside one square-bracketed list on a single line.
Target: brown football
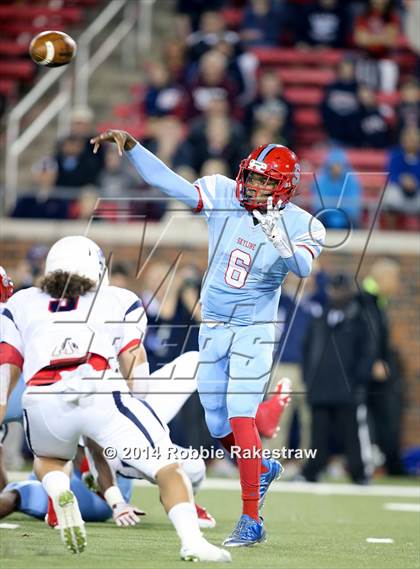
[(52, 49)]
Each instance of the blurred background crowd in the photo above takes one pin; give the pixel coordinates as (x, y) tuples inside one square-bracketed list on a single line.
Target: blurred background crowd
[(336, 81)]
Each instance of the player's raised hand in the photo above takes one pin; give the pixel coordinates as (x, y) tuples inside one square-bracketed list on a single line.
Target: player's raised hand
[(121, 138), (269, 220)]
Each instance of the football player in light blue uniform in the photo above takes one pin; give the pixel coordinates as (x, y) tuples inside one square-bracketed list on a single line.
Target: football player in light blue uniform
[(256, 236)]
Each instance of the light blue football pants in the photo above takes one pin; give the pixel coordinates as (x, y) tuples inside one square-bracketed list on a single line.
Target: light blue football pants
[(234, 369)]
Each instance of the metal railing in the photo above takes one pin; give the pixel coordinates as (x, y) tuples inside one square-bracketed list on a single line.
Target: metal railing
[(72, 92)]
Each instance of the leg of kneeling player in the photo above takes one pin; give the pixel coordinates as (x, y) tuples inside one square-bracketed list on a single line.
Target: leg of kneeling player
[(54, 443), (141, 440), (176, 497)]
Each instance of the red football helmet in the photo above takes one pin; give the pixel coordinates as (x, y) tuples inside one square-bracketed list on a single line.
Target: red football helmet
[(6, 285), (270, 170)]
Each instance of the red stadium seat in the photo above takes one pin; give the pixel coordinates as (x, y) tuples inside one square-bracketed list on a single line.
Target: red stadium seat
[(232, 17), (361, 160), (391, 99), (306, 76), (310, 97), (307, 118), (9, 48), (291, 56), (16, 69), (29, 13), (7, 87)]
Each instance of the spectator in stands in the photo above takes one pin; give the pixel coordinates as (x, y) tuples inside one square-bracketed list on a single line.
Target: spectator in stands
[(42, 202), (189, 13), (376, 33), (81, 125), (120, 275), (403, 192), (212, 80), (211, 31), (218, 139), (340, 107), (166, 136), (75, 169), (174, 54), (261, 24), (408, 110), (165, 141), (296, 309), (29, 271), (338, 354), (218, 107), (84, 207), (270, 109), (336, 192), (385, 390), (117, 179), (323, 23), (260, 135), (163, 96), (214, 166), (375, 131)]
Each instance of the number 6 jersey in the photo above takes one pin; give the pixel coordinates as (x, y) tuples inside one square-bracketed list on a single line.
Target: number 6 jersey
[(243, 281)]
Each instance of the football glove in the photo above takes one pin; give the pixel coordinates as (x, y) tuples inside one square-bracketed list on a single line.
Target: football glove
[(270, 225), (6, 285), (125, 515)]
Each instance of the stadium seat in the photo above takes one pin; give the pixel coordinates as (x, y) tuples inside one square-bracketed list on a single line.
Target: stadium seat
[(362, 160), (17, 69), (7, 87), (9, 48), (307, 76), (306, 118), (232, 17), (310, 97), (290, 56), (28, 12), (391, 99)]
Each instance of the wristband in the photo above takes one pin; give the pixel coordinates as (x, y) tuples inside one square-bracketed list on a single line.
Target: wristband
[(281, 244), (113, 496)]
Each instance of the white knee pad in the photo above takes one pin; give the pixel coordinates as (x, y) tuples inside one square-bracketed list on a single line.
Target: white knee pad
[(195, 469)]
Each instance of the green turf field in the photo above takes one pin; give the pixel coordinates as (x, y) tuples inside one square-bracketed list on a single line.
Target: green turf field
[(305, 531)]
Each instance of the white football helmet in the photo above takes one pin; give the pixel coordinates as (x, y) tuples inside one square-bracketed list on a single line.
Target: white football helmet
[(78, 255)]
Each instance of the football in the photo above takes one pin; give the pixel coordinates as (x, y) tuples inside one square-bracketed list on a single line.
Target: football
[(52, 49)]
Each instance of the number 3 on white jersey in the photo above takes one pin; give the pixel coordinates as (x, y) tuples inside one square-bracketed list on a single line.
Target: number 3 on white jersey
[(238, 268)]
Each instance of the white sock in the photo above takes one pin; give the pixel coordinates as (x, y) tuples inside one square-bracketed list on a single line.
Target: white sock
[(184, 519), (55, 482)]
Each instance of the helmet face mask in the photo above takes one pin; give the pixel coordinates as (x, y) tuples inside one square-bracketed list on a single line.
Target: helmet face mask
[(270, 170)]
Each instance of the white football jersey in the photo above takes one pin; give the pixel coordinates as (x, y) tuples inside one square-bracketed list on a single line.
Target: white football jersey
[(52, 332)]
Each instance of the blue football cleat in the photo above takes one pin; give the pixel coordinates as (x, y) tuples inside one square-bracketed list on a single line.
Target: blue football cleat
[(247, 532), (274, 470)]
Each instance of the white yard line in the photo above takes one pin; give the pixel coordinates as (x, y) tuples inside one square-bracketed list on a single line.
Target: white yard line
[(379, 540), (401, 507), (320, 488)]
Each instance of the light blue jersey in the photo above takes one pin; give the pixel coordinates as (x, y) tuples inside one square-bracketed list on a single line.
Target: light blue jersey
[(241, 289), (242, 284), (243, 281)]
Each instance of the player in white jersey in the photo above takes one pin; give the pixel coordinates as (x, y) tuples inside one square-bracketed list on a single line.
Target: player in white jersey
[(256, 236), (78, 344)]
